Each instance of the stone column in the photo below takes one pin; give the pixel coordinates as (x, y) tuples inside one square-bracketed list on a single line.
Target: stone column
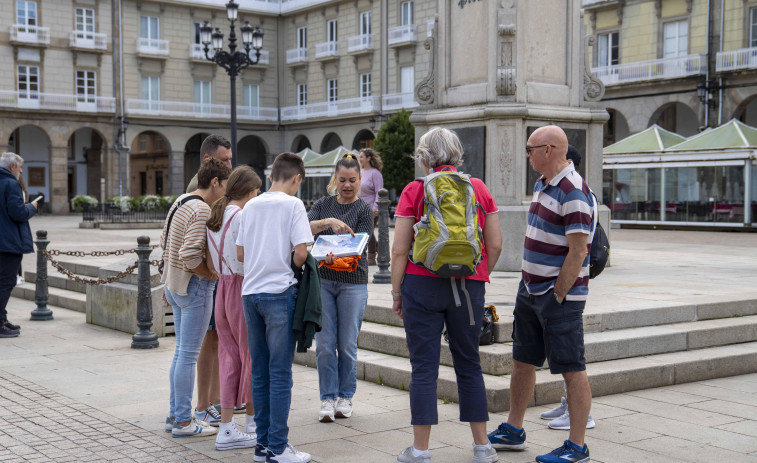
[(176, 173), (59, 180)]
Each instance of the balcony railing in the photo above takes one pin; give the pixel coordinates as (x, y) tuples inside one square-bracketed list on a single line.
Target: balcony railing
[(265, 57), (152, 46), (745, 58), (326, 50), (402, 35), (297, 55), (359, 43), (396, 101), (331, 109), (22, 33), (52, 101), (197, 52), (183, 109), (88, 40), (669, 68)]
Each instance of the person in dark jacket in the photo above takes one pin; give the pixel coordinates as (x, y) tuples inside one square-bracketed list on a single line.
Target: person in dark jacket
[(16, 234)]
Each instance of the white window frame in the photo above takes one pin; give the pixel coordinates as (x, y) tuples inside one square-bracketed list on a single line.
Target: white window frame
[(85, 21), (675, 36), (202, 93), (27, 7), (196, 33), (332, 90), (302, 37), (29, 80), (86, 86), (407, 13), (302, 94), (365, 23), (365, 85), (153, 88), (146, 27), (753, 27), (331, 30), (607, 43), (407, 79), (251, 95)]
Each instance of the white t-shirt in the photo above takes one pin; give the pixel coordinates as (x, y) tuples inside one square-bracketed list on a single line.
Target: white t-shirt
[(229, 244), (272, 224)]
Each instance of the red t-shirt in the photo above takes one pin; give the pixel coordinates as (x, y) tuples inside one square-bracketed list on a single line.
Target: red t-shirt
[(411, 205)]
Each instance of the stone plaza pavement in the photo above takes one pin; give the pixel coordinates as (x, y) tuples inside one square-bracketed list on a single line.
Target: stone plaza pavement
[(76, 392)]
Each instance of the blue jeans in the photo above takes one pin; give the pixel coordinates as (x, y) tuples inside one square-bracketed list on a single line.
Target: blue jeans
[(336, 344), (271, 339), (191, 314)]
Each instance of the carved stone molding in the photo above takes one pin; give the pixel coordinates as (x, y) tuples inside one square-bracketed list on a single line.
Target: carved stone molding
[(506, 29), (506, 83), (425, 91), (594, 88), (689, 5), (658, 8)]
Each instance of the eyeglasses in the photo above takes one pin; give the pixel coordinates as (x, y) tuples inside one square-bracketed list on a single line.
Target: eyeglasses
[(531, 148)]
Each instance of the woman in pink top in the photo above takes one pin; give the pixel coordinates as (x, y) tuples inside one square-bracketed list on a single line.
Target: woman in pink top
[(234, 362), (371, 183)]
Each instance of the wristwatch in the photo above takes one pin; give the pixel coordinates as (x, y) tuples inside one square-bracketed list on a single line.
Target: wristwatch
[(396, 293)]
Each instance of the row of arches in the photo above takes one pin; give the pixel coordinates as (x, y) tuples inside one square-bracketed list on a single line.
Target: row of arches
[(363, 139)]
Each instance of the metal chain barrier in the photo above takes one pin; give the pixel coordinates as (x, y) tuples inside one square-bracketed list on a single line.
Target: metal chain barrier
[(99, 281), (119, 252)]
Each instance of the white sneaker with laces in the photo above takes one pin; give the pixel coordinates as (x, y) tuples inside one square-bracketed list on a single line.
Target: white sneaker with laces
[(557, 411), (194, 428), (484, 454), (230, 437), (563, 422), (289, 455), (326, 415), (343, 408)]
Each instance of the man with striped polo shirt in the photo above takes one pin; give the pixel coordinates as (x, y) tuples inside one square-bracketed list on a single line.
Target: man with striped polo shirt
[(548, 310)]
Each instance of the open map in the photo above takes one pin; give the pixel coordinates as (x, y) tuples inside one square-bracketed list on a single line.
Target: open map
[(340, 245)]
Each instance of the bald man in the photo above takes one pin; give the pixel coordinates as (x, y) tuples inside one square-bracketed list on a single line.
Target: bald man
[(551, 296)]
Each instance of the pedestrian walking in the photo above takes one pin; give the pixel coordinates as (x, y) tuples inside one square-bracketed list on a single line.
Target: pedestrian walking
[(189, 290), (17, 236), (427, 301), (233, 350), (344, 294), (370, 183), (273, 237), (549, 306)]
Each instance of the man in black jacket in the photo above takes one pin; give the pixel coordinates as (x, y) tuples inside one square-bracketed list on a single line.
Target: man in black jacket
[(16, 234)]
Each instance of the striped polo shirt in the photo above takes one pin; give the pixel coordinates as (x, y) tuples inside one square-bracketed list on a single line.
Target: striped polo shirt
[(558, 208)]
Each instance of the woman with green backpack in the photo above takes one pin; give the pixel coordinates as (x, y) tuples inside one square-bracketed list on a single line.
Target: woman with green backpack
[(446, 241)]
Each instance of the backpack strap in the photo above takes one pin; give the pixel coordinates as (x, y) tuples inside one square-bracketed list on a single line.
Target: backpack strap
[(219, 250), (596, 217), (456, 295), (170, 217)]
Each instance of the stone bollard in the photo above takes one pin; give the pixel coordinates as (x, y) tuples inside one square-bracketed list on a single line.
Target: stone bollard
[(383, 275), (42, 312), (145, 339)]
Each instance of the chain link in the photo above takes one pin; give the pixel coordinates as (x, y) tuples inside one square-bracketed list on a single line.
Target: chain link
[(99, 281), (119, 252)]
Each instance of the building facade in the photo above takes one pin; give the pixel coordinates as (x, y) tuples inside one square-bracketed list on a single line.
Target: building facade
[(114, 97), (684, 65)]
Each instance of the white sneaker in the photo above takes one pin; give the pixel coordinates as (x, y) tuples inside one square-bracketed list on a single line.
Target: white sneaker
[(194, 428), (289, 455), (484, 454), (563, 422), (230, 437), (343, 408), (557, 411), (326, 415)]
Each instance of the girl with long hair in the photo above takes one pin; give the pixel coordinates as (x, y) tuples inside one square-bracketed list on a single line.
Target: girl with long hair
[(371, 183)]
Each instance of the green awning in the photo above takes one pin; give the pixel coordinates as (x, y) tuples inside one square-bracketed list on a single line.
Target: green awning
[(652, 140), (328, 159), (308, 155), (733, 134)]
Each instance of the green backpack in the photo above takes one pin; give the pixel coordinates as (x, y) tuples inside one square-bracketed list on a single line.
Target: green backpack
[(448, 237)]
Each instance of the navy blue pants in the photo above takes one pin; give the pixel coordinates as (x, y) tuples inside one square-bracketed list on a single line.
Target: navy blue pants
[(9, 265), (428, 304)]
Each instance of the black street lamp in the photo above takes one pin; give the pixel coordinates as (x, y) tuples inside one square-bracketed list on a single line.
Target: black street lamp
[(233, 61)]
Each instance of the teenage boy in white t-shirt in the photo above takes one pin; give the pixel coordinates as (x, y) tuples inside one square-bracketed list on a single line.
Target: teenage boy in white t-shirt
[(272, 225)]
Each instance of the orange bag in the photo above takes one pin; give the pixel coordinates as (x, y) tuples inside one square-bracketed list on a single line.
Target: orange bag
[(342, 264)]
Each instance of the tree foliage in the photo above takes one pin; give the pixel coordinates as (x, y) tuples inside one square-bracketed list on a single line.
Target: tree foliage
[(396, 142)]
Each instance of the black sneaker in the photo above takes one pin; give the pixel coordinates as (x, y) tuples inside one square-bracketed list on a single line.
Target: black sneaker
[(6, 332), (12, 326)]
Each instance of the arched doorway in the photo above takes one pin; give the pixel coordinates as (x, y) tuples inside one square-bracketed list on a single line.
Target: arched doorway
[(252, 152), (33, 144), (85, 148), (148, 164), (615, 129), (677, 118), (192, 157), (300, 143), (330, 141), (363, 139), (747, 111)]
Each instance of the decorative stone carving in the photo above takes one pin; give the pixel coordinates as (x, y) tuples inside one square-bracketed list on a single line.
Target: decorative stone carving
[(688, 6), (425, 91), (658, 8), (506, 84), (506, 79), (506, 29), (594, 89)]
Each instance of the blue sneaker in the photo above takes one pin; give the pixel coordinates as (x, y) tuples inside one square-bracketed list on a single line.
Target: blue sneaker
[(261, 451), (210, 415), (508, 437), (569, 452), (170, 424)]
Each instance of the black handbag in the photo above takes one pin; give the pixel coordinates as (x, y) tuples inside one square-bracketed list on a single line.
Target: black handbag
[(487, 327)]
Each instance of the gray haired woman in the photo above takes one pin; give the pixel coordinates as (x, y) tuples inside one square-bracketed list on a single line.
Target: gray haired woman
[(426, 302)]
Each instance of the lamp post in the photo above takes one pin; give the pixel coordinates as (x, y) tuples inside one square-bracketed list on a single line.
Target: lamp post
[(233, 61)]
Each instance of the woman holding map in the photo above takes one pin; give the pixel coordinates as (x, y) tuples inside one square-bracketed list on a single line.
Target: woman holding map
[(343, 293)]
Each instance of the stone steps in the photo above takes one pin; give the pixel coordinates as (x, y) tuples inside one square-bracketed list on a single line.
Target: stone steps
[(62, 291), (64, 298), (606, 377)]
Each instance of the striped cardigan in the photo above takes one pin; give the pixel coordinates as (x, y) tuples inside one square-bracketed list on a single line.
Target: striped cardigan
[(186, 246)]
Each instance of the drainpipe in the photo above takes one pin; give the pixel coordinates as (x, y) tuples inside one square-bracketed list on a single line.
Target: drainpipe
[(121, 87), (116, 143), (720, 79), (384, 56), (707, 68)]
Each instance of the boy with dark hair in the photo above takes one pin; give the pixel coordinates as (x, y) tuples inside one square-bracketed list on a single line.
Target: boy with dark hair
[(272, 226)]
